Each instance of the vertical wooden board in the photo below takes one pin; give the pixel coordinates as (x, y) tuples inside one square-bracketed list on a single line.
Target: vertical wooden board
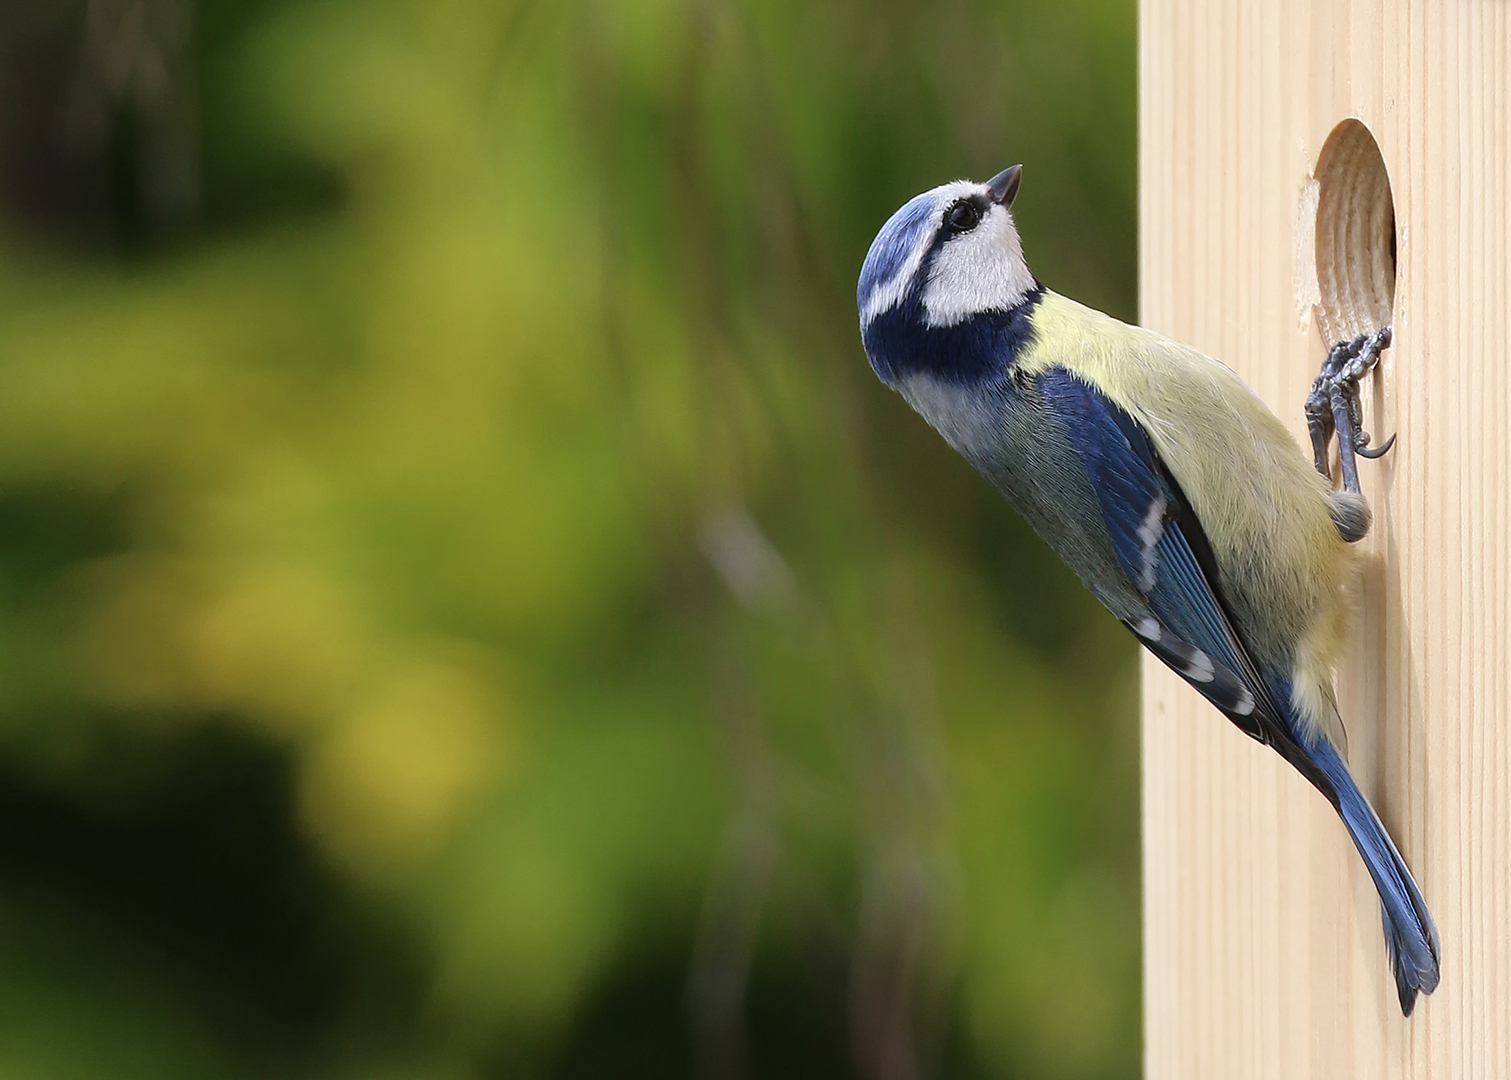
[(1263, 950)]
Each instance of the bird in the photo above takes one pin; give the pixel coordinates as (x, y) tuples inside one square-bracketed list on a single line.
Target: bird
[(1159, 478)]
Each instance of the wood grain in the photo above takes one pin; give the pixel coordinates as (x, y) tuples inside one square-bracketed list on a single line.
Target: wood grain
[(1263, 950)]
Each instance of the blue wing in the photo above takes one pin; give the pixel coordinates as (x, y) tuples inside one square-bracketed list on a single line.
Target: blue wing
[(1160, 544), (1162, 549)]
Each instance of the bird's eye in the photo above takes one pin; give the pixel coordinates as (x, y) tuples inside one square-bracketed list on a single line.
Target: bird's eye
[(963, 216)]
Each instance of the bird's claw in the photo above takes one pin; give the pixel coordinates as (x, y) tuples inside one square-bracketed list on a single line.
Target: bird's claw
[(1333, 406), (1376, 452)]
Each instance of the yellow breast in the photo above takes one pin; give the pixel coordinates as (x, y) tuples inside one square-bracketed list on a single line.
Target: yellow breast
[(1284, 569)]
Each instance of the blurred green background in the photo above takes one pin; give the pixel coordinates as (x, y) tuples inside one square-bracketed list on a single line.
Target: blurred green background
[(467, 608)]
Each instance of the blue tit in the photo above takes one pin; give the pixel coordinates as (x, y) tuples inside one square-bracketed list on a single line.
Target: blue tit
[(1159, 478)]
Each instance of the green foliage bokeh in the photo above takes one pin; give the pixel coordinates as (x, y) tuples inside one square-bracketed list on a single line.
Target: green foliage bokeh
[(466, 607)]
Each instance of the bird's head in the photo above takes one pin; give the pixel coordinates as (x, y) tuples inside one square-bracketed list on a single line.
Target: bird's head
[(947, 258)]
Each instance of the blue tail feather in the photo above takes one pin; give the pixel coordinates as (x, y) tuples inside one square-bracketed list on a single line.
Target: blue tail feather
[(1410, 936)]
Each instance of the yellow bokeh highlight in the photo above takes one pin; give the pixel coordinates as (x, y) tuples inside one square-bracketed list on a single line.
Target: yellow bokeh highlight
[(381, 787), (281, 644)]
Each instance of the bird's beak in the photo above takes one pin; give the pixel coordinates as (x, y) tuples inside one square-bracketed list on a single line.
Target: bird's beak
[(1004, 186)]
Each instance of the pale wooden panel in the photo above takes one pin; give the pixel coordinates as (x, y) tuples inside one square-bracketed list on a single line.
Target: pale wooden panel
[(1263, 950)]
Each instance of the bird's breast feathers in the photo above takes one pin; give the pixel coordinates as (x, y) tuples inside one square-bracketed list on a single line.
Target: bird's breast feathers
[(1262, 506)]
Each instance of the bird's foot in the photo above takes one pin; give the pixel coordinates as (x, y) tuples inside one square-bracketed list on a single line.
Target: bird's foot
[(1333, 406)]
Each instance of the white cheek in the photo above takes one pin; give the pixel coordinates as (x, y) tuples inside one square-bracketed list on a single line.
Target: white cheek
[(980, 271)]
